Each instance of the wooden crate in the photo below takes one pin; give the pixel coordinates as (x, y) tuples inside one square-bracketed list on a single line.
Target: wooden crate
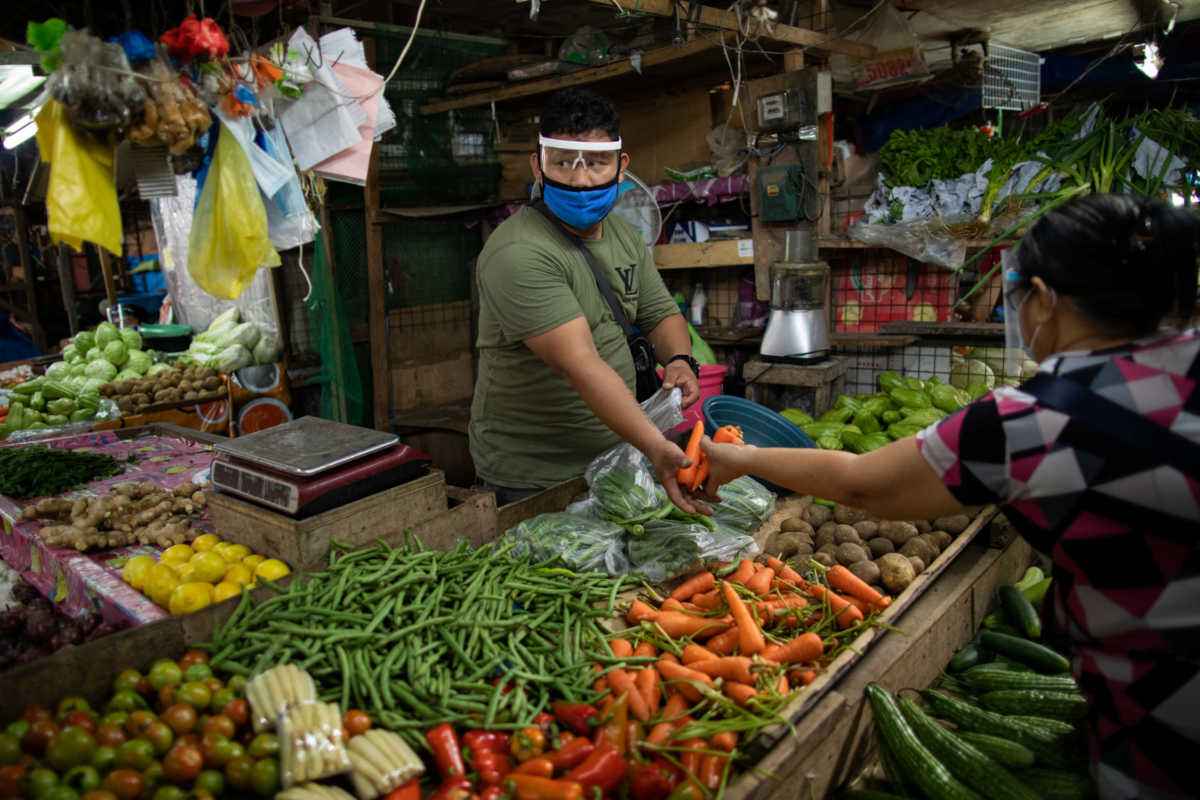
[(304, 543)]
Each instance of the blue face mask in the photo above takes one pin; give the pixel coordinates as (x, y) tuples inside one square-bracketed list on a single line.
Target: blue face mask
[(578, 206)]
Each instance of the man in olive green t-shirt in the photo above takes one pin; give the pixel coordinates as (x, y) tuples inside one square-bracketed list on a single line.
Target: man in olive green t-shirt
[(556, 379)]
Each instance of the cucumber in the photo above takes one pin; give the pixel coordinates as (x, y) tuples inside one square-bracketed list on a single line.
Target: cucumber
[(1056, 784), (966, 657), (1031, 576), (1003, 665), (1047, 747), (867, 794), (891, 768), (1005, 751), (988, 680), (1038, 656), (1067, 706), (1020, 612), (918, 764), (1057, 727)]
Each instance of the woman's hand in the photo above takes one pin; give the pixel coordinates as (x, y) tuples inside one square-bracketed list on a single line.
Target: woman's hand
[(725, 463)]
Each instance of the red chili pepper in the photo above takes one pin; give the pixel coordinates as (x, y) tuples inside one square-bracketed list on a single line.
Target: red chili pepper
[(495, 793), (447, 753), (541, 766), (481, 741), (545, 721), (653, 781), (579, 718), (409, 791), (572, 753), (604, 768), (492, 767), (528, 742), (531, 787), (453, 788), (613, 730)]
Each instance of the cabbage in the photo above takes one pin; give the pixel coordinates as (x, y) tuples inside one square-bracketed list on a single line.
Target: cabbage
[(101, 370), (228, 318), (267, 350), (127, 375), (247, 335), (95, 354), (131, 338), (70, 353), (202, 349), (57, 370), (106, 332), (966, 372), (233, 358), (157, 368), (91, 386), (77, 369), (138, 361), (85, 341), (116, 353)]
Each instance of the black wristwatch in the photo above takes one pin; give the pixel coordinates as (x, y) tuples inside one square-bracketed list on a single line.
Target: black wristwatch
[(692, 363)]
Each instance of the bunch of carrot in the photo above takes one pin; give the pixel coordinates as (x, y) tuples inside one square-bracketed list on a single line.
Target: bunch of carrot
[(693, 477)]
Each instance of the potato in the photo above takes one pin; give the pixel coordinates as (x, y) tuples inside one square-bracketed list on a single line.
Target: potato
[(826, 534), (817, 515), (847, 515), (845, 533), (786, 544), (880, 546), (918, 565), (191, 395), (928, 539), (896, 572), (898, 532), (953, 525), (175, 395), (206, 372), (163, 396), (918, 548), (850, 553), (829, 549), (942, 538), (213, 383), (125, 404), (824, 559), (789, 524), (867, 571), (140, 398), (123, 387), (867, 529), (922, 525)]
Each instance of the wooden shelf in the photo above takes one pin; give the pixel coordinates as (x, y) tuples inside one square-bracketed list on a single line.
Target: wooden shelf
[(432, 211), (713, 253), (948, 329), (732, 337), (837, 243)]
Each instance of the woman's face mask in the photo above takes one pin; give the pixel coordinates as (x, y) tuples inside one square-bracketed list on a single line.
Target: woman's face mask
[(1016, 293), (579, 178)]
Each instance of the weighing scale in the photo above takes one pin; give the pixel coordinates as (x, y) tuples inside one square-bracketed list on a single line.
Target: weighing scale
[(310, 465)]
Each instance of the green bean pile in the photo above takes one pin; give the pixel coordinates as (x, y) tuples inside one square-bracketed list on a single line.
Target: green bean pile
[(416, 637)]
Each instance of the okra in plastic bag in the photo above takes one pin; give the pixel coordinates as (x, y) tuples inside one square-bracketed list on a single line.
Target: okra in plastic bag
[(744, 504), (582, 543), (670, 548)]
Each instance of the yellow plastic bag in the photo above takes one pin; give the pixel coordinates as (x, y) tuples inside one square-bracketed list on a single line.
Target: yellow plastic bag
[(229, 240), (81, 200)]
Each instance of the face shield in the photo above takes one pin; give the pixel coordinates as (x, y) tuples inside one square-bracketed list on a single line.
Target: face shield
[(1014, 291), (562, 159)]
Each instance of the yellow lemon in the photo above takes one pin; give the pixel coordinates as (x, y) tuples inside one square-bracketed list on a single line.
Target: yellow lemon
[(186, 572), (177, 553), (137, 570), (209, 567), (205, 542), (238, 574), (252, 561), (234, 552), (162, 581), (225, 590), (272, 569), (189, 597)]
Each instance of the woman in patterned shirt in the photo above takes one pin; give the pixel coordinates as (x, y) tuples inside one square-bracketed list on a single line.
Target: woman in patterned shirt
[(1096, 461)]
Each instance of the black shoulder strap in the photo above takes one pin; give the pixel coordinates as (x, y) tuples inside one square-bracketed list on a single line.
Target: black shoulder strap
[(605, 288), (1128, 427)]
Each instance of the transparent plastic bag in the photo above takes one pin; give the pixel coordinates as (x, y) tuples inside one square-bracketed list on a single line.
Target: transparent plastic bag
[(381, 762), (95, 83), (625, 466), (228, 241), (273, 692), (670, 549), (311, 746), (727, 147), (587, 45), (744, 504), (582, 543), (922, 239)]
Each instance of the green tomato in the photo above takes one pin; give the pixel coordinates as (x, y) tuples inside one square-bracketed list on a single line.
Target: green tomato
[(169, 792), (70, 747), (127, 680), (117, 718), (10, 749), (18, 728), (61, 792), (195, 694), (69, 704), (164, 672), (211, 781), (39, 782), (126, 700), (264, 778), (238, 684), (83, 778), (197, 672), (152, 776), (103, 759), (135, 754), (264, 745), (220, 699)]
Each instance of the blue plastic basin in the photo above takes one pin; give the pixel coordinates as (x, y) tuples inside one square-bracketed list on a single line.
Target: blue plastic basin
[(760, 426)]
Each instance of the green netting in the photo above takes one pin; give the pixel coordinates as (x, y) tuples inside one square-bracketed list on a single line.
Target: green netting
[(427, 261), (341, 387), (348, 234)]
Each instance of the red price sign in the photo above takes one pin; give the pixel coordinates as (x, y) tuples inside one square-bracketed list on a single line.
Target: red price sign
[(891, 66)]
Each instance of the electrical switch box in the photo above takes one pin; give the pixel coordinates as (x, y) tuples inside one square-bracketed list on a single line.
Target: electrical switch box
[(782, 194)]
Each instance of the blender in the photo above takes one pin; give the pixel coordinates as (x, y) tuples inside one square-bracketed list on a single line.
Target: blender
[(797, 330)]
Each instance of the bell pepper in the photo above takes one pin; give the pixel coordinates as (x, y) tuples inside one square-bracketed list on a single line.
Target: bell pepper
[(491, 766), (561, 738), (545, 721), (481, 741), (579, 718), (447, 754), (605, 769), (541, 766), (454, 787), (653, 781), (407, 791), (572, 753), (531, 787), (613, 729), (528, 742)]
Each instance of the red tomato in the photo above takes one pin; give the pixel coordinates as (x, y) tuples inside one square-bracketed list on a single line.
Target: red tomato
[(98, 794), (34, 713), (182, 764), (138, 721), (237, 711), (214, 684), (109, 735), (220, 725), (180, 718), (126, 784), (166, 695), (356, 722), (10, 780), (81, 719), (39, 735), (192, 657)]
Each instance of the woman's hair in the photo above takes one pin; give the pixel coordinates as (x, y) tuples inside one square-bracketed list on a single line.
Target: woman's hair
[(577, 111), (1126, 262)]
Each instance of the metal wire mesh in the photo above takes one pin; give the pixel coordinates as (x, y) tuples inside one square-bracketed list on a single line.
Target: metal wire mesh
[(427, 261), (347, 231), (1012, 78)]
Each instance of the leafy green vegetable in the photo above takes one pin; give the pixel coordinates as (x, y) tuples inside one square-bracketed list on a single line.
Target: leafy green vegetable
[(35, 470)]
